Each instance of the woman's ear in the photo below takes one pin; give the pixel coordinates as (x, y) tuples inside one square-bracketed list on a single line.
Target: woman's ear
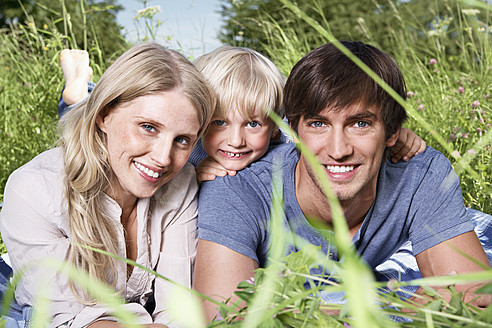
[(101, 122)]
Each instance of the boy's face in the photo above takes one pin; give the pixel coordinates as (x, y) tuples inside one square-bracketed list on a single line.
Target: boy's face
[(235, 142)]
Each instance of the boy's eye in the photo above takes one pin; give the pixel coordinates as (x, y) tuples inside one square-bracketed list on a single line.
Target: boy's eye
[(253, 124), (219, 122), (181, 140), (316, 124), (361, 124), (148, 127)]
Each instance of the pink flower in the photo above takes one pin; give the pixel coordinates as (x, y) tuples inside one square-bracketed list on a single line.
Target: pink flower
[(421, 107), (433, 61), (487, 96), (437, 71), (410, 94), (476, 103), (472, 152), (461, 90), (465, 135), (456, 154)]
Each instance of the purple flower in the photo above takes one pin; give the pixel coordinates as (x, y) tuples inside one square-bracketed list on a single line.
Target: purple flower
[(452, 137), (476, 103), (433, 61), (461, 90), (456, 154), (421, 107), (472, 152), (410, 94), (465, 135), (437, 71)]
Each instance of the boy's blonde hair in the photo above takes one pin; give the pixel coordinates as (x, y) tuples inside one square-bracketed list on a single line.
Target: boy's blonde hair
[(244, 80)]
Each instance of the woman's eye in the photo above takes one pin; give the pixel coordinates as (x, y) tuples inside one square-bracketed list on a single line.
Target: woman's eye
[(181, 140), (253, 124), (148, 128), (316, 124), (219, 122), (361, 124)]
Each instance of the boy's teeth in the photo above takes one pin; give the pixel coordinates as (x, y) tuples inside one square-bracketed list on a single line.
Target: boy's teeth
[(145, 170), (340, 169), (233, 154)]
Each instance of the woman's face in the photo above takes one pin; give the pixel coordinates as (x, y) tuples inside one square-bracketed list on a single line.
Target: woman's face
[(149, 139)]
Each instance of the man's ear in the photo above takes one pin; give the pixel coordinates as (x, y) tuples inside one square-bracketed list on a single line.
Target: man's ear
[(390, 142)]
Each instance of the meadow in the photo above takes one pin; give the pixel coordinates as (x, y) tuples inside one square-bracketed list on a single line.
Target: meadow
[(449, 104)]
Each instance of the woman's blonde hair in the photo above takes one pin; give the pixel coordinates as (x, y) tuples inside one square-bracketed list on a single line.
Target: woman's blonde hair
[(145, 69), (244, 80)]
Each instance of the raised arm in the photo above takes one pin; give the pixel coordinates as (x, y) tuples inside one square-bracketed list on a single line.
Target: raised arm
[(218, 271)]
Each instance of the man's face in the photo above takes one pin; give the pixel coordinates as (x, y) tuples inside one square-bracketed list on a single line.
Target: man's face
[(350, 144)]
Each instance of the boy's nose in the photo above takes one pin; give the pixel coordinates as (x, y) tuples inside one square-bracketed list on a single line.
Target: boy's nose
[(236, 138)]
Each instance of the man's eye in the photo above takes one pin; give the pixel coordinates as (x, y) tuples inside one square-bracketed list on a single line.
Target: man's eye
[(148, 128), (219, 122), (253, 124), (316, 124), (181, 140), (361, 124)]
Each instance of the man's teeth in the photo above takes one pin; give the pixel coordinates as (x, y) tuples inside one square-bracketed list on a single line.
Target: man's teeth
[(232, 154), (145, 170), (340, 169)]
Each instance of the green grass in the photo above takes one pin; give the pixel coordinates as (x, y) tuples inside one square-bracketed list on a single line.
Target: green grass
[(447, 117)]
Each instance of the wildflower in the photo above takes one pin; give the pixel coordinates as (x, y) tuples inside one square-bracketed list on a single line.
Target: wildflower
[(45, 26), (433, 61), (472, 152), (456, 154), (479, 131), (421, 107), (27, 84), (470, 12), (45, 48), (393, 284), (437, 71), (148, 12), (452, 137), (465, 135), (410, 94), (461, 90), (487, 96), (475, 104)]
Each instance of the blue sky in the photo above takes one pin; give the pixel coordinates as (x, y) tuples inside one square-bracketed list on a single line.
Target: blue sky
[(193, 25)]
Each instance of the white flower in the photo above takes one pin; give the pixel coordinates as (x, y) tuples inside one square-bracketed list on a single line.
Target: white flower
[(470, 12)]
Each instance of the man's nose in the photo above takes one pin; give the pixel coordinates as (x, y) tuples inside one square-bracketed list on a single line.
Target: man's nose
[(339, 145)]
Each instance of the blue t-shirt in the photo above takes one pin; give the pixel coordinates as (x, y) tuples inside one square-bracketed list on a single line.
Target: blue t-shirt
[(419, 200)]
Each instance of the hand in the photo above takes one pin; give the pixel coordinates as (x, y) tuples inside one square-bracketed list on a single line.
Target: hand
[(409, 144), (209, 169)]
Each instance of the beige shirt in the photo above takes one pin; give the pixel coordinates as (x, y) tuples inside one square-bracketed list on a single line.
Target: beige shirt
[(34, 225)]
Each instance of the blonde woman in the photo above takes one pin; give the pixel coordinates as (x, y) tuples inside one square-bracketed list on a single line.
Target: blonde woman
[(118, 182)]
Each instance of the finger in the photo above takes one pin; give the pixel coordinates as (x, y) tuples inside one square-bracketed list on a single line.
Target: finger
[(205, 177)]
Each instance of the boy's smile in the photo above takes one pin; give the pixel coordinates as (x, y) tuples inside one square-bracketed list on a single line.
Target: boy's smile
[(235, 141)]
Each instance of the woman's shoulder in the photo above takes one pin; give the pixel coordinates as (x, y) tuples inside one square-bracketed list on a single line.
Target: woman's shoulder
[(46, 166), (182, 186)]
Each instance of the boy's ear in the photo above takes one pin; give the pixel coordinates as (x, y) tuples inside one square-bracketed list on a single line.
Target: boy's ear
[(390, 142)]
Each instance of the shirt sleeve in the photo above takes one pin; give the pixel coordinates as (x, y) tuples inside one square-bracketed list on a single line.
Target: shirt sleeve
[(440, 214), (234, 215), (179, 240)]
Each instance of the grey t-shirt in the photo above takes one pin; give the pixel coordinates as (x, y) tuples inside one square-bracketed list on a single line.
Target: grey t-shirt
[(419, 200)]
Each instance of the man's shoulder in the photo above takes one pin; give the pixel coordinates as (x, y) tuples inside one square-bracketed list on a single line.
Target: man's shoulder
[(430, 160)]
